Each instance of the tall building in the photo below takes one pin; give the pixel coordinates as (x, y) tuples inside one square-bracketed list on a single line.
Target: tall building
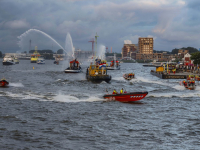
[(128, 50), (145, 45)]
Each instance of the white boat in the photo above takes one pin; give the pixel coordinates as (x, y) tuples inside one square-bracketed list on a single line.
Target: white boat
[(40, 60), (114, 65), (8, 60)]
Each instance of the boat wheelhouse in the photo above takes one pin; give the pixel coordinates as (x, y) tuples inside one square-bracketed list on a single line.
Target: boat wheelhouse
[(96, 73)]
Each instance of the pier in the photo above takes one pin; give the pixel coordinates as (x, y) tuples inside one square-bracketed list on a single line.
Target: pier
[(164, 75)]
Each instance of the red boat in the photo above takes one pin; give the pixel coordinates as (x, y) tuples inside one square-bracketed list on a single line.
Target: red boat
[(3, 83), (126, 97)]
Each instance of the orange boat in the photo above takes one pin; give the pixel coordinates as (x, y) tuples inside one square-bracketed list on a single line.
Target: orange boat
[(189, 83), (126, 97), (3, 83), (129, 76)]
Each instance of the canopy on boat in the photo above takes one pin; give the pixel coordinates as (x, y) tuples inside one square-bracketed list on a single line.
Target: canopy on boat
[(74, 61)]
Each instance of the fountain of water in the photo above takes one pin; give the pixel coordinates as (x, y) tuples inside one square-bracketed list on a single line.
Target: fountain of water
[(69, 46), (101, 52), (22, 37)]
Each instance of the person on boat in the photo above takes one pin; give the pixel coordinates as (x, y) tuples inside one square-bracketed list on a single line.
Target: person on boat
[(114, 91), (122, 91)]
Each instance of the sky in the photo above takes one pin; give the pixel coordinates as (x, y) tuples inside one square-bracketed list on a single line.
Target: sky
[(172, 23)]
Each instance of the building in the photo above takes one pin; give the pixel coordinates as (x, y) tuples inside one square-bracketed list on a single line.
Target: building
[(154, 56), (129, 50), (145, 45)]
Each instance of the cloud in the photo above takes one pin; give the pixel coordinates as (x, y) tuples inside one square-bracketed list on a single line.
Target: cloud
[(16, 24), (127, 42), (170, 22)]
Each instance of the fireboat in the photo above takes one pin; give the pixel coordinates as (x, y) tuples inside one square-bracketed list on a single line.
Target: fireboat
[(97, 73), (74, 67)]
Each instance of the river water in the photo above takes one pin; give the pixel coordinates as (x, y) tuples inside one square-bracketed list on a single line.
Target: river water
[(45, 108)]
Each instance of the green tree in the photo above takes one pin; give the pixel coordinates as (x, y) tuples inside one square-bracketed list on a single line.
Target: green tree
[(175, 51), (195, 57), (60, 51)]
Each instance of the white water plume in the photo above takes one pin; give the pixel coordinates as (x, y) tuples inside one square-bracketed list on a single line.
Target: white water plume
[(101, 52), (24, 40), (69, 48)]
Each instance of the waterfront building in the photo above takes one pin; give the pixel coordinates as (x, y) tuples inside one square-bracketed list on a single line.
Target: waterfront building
[(145, 45), (129, 50)]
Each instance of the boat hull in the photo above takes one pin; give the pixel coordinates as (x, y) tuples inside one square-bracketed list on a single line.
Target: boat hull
[(126, 97), (113, 68), (3, 83), (98, 79), (72, 71), (8, 63), (33, 61)]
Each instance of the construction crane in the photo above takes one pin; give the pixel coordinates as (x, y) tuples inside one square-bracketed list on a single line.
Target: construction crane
[(92, 46)]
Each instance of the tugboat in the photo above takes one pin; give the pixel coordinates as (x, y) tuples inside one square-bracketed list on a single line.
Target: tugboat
[(74, 67), (35, 56), (126, 97), (8, 60), (189, 83), (3, 83), (129, 76), (97, 74)]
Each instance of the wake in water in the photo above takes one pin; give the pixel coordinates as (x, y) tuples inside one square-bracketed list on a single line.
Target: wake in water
[(16, 84), (72, 99)]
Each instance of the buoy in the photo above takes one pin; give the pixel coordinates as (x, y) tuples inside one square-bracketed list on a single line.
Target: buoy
[(33, 68)]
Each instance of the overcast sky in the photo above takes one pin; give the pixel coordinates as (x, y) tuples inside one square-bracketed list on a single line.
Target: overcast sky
[(172, 23)]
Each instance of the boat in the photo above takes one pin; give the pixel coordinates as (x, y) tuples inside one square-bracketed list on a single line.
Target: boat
[(74, 67), (16, 60), (56, 62), (189, 83), (8, 60), (197, 78), (126, 97), (129, 76), (40, 60), (97, 74), (35, 56), (114, 65), (3, 83)]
